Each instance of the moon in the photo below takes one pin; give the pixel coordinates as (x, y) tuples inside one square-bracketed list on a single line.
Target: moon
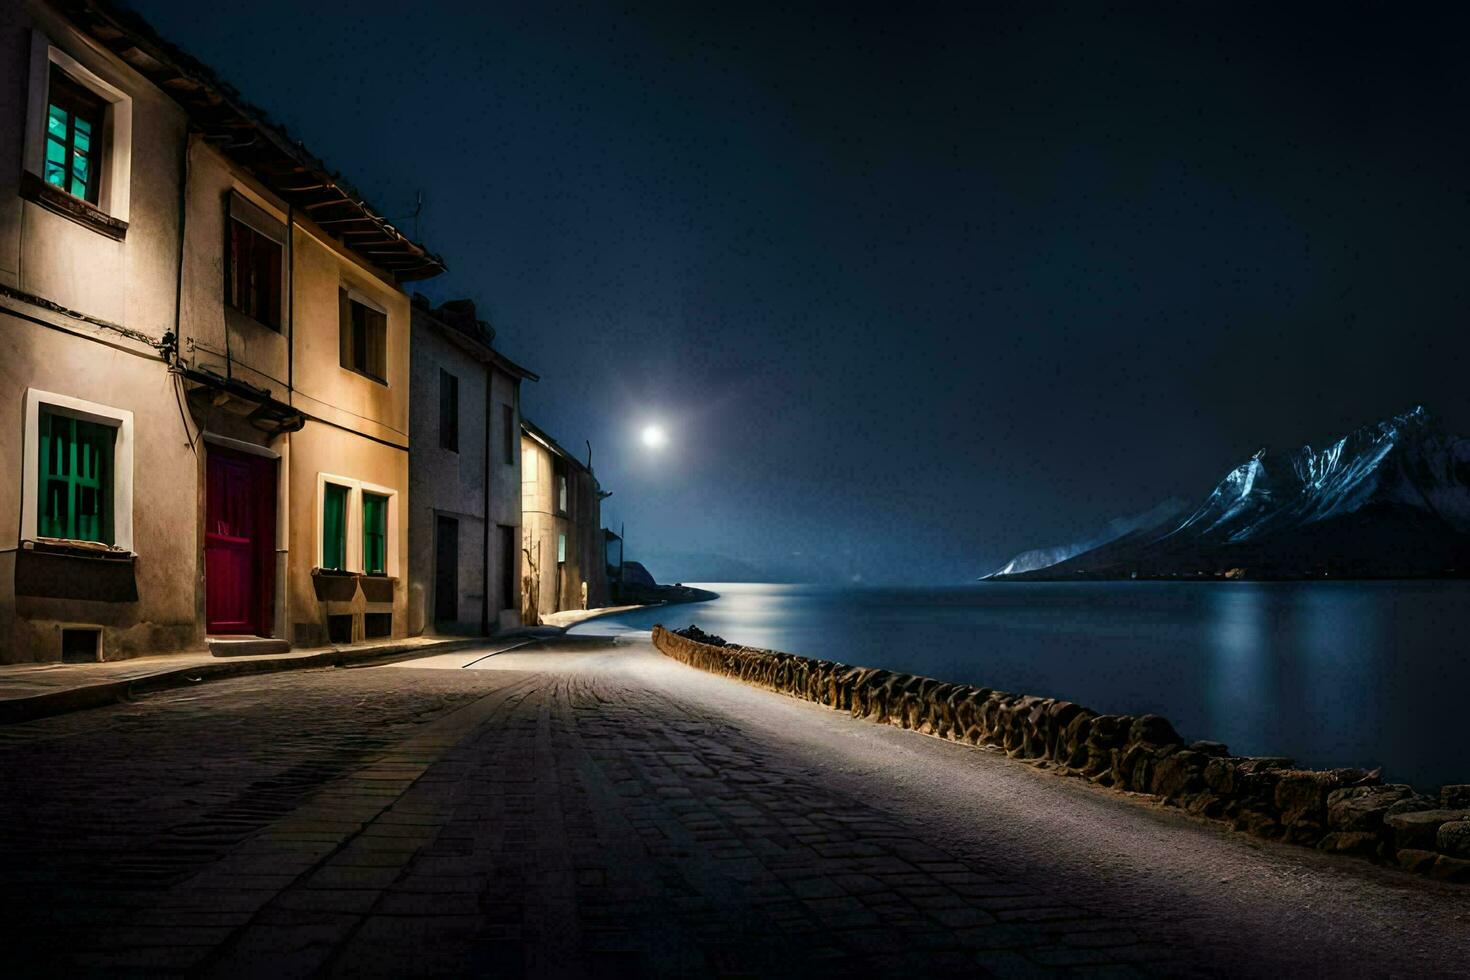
[(654, 436)]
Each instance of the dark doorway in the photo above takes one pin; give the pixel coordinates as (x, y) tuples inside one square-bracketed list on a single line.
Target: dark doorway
[(239, 542), (510, 585), (446, 571)]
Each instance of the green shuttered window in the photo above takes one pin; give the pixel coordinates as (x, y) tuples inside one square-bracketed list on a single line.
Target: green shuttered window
[(75, 499), (334, 527), (374, 534)]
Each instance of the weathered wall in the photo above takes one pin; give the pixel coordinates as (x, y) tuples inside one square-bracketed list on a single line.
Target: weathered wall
[(319, 448), (1340, 810), (540, 523), (130, 283), (257, 354), (505, 496), (164, 482), (322, 386), (446, 482), (358, 429)]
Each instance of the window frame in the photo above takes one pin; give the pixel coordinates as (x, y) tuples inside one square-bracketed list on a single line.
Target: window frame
[(386, 499), (109, 214), (122, 461), (561, 547), (347, 296), (255, 219), (79, 104), (448, 413), (352, 525)]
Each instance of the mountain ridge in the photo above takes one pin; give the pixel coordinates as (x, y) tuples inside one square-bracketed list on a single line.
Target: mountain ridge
[(1389, 499)]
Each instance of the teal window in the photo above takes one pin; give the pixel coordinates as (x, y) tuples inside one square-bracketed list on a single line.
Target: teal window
[(374, 534), (561, 548), (75, 499), (334, 527), (73, 137)]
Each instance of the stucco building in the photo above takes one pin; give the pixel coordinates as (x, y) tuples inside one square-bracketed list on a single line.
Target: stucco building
[(562, 540), (204, 358), (464, 475)]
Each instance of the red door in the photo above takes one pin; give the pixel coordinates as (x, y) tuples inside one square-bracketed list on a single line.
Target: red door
[(239, 542)]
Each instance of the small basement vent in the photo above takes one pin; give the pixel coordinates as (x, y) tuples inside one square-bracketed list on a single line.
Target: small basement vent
[(339, 629), (81, 646), (377, 624)]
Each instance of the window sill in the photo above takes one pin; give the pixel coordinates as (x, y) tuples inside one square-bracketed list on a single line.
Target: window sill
[(239, 318), (82, 549), (34, 189), (51, 569), (364, 374)]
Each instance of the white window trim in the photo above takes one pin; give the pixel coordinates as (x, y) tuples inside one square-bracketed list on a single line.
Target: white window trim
[(352, 554), (113, 195), (122, 461)]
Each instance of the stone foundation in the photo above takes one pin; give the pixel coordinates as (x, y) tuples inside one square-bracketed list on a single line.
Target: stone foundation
[(1348, 811)]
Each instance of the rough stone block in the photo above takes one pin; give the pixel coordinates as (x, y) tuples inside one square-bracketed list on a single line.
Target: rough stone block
[(1418, 830), (1350, 842), (1154, 730), (1455, 797), (1450, 869), (1362, 808), (1416, 860), (1178, 773), (1453, 838)]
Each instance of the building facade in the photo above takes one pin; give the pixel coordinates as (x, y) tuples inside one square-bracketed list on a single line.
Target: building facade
[(562, 540), (205, 358), (95, 464), (464, 475)]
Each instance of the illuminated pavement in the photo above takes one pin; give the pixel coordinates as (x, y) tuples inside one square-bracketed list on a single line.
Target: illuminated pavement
[(595, 809)]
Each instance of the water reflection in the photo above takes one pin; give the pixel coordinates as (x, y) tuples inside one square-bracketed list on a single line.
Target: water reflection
[(1238, 690), (1330, 673)]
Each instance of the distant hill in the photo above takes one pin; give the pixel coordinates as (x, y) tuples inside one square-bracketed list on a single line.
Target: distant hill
[(1390, 499), (691, 566)]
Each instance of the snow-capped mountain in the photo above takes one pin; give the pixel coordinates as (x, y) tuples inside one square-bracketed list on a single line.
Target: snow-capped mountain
[(1388, 499), (1153, 519)]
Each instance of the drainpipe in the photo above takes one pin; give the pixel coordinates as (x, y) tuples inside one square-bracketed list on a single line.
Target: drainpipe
[(179, 269), (485, 524)]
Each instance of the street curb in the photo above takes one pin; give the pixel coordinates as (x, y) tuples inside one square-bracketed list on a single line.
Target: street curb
[(14, 710)]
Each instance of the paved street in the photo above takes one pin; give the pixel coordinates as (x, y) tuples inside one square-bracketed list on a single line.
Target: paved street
[(593, 809)]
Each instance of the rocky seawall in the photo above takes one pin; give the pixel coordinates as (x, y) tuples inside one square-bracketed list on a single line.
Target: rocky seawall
[(1349, 811)]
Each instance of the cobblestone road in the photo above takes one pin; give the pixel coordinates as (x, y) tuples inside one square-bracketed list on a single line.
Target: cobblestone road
[(601, 811)]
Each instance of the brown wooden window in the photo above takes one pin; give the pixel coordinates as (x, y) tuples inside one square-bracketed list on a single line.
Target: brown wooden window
[(364, 338), (253, 285), (73, 137)]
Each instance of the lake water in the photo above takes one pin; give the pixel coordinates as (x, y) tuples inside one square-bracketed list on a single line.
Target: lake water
[(1329, 673)]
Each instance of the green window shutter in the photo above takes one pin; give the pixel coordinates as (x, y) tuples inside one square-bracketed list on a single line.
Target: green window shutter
[(75, 498), (334, 527), (374, 534)]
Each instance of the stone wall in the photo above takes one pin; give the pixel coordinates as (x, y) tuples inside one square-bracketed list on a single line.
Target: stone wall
[(1342, 810)]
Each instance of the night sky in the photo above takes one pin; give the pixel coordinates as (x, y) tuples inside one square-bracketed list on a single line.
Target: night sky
[(911, 290)]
